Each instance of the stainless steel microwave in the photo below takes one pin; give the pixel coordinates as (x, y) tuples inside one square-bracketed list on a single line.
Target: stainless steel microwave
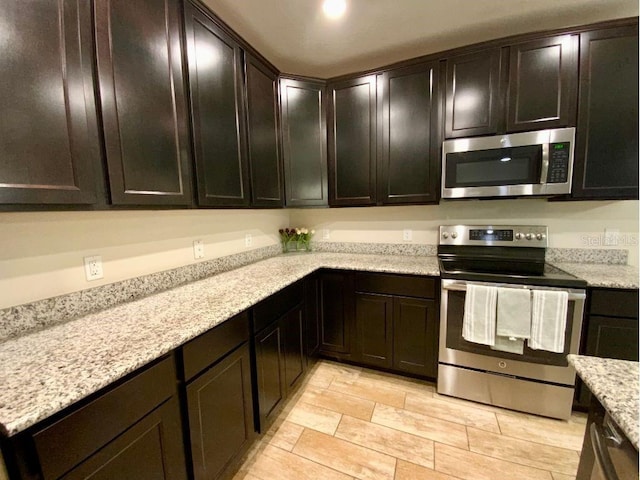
[(514, 165)]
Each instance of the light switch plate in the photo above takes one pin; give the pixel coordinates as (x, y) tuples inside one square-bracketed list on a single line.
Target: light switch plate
[(407, 235), (248, 240), (93, 267), (198, 249)]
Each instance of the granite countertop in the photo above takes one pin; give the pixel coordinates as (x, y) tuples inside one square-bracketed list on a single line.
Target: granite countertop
[(615, 384), (603, 275), (44, 372)]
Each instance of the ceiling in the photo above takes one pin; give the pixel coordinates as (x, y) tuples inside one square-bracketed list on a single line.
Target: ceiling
[(297, 38)]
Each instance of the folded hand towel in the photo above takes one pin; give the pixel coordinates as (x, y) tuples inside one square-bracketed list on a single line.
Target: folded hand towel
[(548, 320), (514, 313), (479, 321), (509, 344)]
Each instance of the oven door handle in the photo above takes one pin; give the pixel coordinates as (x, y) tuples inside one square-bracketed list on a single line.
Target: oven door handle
[(462, 287)]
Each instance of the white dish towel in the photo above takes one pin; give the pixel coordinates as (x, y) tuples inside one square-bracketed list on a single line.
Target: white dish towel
[(479, 320), (548, 320), (513, 322)]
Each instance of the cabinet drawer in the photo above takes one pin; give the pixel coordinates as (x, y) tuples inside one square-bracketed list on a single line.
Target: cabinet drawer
[(77, 436), (208, 348), (405, 285), (277, 305), (614, 303)]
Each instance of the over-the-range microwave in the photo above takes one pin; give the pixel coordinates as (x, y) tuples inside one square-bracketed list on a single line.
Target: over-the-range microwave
[(514, 165)]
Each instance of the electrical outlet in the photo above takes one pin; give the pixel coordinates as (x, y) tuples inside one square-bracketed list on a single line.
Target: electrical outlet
[(326, 234), (93, 267), (407, 235), (248, 240), (198, 249)]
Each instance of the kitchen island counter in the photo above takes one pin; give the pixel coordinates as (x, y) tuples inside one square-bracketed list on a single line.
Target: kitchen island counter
[(47, 371), (615, 385)]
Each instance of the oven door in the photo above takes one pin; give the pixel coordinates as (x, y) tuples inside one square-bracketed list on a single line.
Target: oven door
[(532, 364)]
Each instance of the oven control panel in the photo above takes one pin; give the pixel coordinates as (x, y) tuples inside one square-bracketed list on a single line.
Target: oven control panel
[(494, 235)]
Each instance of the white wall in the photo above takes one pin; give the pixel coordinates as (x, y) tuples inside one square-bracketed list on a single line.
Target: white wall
[(41, 253), (571, 224)]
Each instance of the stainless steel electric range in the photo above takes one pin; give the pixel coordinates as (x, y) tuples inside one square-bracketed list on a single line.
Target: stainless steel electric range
[(536, 381)]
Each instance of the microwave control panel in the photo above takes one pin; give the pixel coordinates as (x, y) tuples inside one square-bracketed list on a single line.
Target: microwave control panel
[(558, 171)]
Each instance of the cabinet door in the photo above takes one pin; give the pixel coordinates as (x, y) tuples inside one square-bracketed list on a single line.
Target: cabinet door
[(409, 159), (48, 130), (262, 134), (543, 78), (217, 112), (220, 412), (293, 347), (304, 146), (270, 373), (473, 104), (144, 114), (415, 336), (152, 448), (336, 313), (352, 142), (312, 315), (374, 329), (606, 155)]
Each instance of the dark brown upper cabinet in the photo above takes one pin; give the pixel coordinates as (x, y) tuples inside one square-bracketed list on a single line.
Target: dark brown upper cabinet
[(543, 81), (48, 132), (304, 146), (473, 102), (141, 84), (261, 83), (606, 154), (526, 86), (408, 135), (217, 112), (352, 141)]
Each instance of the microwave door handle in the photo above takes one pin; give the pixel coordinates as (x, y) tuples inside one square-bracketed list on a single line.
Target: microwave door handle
[(545, 163)]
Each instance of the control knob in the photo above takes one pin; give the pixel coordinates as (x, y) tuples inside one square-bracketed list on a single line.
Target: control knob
[(529, 236), (519, 236), (541, 236), (454, 234), (445, 235)]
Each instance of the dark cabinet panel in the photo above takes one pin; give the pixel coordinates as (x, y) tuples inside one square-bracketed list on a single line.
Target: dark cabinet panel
[(312, 315), (415, 336), (263, 146), (352, 142), (304, 146), (270, 373), (220, 415), (374, 329), (293, 347), (409, 158), (543, 77), (473, 103), (336, 313), (606, 155), (48, 128), (141, 83), (217, 112)]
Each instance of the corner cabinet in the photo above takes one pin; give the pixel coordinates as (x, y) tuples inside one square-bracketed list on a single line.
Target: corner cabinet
[(304, 146), (48, 134), (606, 154), (144, 115), (337, 314), (217, 112), (525, 86)]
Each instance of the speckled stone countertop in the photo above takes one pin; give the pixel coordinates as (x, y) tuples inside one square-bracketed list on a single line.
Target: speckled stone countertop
[(46, 371), (615, 383), (603, 275)]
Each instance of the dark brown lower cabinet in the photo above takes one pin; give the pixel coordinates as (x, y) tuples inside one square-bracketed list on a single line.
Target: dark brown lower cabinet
[(415, 336), (312, 316), (131, 431), (280, 363), (336, 314), (220, 407), (374, 329)]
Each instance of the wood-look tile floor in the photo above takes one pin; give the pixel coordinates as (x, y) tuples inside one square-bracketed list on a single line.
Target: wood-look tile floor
[(348, 422)]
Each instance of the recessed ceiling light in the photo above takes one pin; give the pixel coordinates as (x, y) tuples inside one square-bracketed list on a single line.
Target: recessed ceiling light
[(334, 8)]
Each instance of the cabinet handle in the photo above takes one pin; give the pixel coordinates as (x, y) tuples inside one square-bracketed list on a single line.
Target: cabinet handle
[(603, 459)]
